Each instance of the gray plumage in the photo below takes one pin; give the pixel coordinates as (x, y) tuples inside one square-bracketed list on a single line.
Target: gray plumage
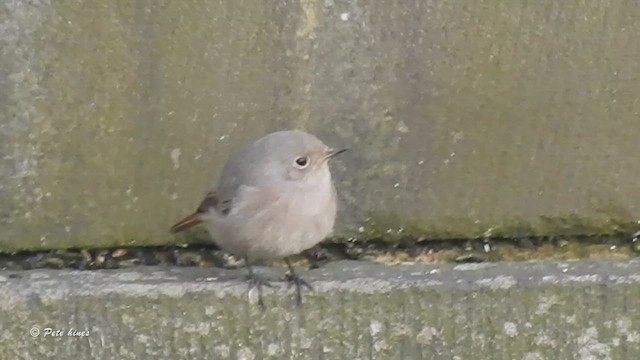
[(274, 198), (274, 208)]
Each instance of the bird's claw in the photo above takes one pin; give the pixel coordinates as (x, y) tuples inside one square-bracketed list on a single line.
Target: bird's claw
[(299, 282), (292, 278), (258, 282)]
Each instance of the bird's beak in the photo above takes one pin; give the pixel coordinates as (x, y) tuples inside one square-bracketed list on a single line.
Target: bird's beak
[(333, 152)]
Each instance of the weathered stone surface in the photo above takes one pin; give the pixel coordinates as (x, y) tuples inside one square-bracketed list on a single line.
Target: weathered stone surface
[(579, 310), (465, 118)]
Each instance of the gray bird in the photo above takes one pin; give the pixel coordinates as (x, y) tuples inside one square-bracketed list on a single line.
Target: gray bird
[(275, 198)]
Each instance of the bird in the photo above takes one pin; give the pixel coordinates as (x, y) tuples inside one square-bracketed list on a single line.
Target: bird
[(274, 198)]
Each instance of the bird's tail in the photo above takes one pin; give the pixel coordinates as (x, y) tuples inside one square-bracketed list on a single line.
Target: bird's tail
[(186, 223)]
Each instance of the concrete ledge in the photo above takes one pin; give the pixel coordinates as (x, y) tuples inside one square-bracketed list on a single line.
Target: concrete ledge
[(568, 310)]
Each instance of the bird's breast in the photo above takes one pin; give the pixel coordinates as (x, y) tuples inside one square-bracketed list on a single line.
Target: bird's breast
[(274, 222)]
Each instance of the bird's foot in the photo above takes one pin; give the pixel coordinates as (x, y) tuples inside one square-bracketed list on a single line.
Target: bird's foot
[(293, 278), (258, 282)]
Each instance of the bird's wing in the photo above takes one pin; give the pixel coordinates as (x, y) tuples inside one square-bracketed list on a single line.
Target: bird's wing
[(244, 168), (213, 200)]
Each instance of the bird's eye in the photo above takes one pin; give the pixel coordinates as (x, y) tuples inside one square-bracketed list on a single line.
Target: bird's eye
[(302, 162)]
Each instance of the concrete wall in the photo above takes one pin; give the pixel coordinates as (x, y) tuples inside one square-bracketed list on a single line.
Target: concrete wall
[(465, 117), (585, 311)]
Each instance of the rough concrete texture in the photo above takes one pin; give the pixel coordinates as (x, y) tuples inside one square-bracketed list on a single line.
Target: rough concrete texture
[(580, 310), (465, 117)]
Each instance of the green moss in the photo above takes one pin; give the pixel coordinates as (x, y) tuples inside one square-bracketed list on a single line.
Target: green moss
[(393, 228), (390, 228)]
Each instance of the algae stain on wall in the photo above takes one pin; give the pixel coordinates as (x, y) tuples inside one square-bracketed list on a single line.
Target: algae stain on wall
[(21, 119), (309, 21)]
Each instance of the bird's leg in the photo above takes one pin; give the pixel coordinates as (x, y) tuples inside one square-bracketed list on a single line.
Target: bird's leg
[(256, 281), (292, 277)]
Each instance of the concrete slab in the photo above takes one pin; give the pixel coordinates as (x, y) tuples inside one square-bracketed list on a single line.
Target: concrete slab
[(567, 310)]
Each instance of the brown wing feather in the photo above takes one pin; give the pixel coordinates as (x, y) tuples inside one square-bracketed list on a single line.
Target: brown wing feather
[(210, 200)]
